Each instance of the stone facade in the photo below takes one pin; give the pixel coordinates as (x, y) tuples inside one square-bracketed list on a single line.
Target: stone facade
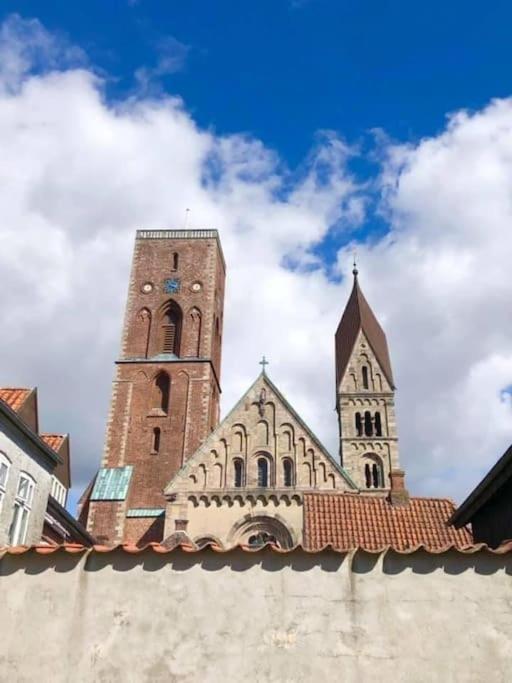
[(366, 410), (165, 398), (250, 474), (260, 616)]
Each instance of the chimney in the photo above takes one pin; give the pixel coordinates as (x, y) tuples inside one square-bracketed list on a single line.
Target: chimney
[(398, 494)]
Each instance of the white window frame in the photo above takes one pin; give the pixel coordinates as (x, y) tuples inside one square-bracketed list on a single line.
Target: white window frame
[(21, 509), (59, 491), (5, 466)]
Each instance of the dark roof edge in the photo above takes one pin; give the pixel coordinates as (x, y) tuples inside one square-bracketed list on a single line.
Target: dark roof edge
[(55, 507), (11, 415), (483, 491)]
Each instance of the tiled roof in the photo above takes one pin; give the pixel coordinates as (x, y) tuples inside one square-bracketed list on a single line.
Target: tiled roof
[(348, 521), (359, 316), (14, 397), (160, 549), (53, 440)]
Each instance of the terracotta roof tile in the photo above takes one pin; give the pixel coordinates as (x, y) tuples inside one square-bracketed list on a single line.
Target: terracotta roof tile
[(14, 397), (348, 521), (161, 549), (54, 441)]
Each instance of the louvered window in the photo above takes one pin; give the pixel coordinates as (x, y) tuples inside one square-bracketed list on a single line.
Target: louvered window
[(171, 332)]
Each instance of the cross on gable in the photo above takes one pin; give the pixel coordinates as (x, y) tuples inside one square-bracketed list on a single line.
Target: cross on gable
[(263, 362)]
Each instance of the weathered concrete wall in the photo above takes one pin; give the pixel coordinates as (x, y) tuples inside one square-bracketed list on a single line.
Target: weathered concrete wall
[(255, 617)]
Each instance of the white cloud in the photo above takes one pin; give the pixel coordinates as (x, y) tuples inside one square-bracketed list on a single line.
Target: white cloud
[(171, 57), (78, 175)]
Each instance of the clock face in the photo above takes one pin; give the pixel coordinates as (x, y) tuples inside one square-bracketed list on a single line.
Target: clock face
[(171, 285), (147, 287), (196, 287)]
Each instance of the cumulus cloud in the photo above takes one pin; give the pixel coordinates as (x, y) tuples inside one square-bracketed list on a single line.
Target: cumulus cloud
[(80, 174)]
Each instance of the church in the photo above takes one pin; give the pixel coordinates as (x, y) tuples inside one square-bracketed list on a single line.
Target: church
[(171, 471)]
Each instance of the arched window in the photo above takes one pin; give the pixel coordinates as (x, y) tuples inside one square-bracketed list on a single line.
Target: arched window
[(262, 472), (368, 476), (287, 472), (359, 425), (364, 371), (373, 473), (171, 330), (155, 448), (5, 465), (22, 507), (378, 425), (368, 427), (238, 473), (175, 261), (376, 476), (162, 392)]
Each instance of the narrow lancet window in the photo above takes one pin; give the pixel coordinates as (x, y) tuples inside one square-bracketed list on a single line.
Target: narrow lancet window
[(262, 472), (287, 472), (368, 426), (365, 377), (378, 425), (156, 440), (238, 467), (162, 392)]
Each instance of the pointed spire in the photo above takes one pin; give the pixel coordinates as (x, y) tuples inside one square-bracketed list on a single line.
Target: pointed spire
[(359, 316), (355, 272)]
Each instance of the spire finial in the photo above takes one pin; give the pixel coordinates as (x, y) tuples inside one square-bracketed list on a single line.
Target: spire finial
[(263, 362), (354, 270)]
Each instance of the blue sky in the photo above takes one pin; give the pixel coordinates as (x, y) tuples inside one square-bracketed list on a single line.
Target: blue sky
[(381, 125), (283, 69)]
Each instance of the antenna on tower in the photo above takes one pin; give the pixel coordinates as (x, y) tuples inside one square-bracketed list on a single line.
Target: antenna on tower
[(185, 223)]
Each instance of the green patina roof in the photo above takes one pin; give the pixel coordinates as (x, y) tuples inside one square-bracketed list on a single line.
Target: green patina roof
[(112, 483), (145, 512)]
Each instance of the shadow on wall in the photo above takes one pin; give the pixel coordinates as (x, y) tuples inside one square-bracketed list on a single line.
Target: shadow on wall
[(392, 563)]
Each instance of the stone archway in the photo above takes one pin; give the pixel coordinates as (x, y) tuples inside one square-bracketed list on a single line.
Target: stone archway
[(260, 529)]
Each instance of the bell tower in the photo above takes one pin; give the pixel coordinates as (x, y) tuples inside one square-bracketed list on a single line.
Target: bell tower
[(365, 396), (165, 397)]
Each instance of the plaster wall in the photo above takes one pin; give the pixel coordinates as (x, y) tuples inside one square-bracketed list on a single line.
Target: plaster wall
[(257, 617), (24, 457)]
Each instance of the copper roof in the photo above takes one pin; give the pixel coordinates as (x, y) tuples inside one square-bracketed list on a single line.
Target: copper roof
[(14, 397), (359, 316), (348, 521)]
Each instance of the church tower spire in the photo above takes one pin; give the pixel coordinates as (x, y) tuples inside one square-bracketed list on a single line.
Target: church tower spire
[(365, 395)]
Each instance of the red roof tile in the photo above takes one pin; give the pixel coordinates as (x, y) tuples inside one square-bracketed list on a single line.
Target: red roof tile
[(348, 521), (161, 549), (53, 440), (14, 397)]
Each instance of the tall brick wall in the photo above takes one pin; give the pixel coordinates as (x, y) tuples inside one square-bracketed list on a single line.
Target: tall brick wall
[(193, 261)]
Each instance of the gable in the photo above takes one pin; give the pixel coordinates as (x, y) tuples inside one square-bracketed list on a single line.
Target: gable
[(362, 355), (262, 425)]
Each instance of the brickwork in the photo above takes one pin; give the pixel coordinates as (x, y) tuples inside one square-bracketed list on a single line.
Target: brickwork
[(182, 271)]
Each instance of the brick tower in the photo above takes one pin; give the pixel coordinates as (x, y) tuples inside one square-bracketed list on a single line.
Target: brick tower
[(365, 397), (165, 398)]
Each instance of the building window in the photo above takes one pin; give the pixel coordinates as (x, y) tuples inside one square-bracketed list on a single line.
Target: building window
[(175, 260), (22, 507), (364, 372), (238, 471), (368, 426), (287, 472), (359, 425), (170, 330), (162, 392), (373, 475), (155, 446), (378, 425), (262, 472), (5, 465), (58, 491)]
